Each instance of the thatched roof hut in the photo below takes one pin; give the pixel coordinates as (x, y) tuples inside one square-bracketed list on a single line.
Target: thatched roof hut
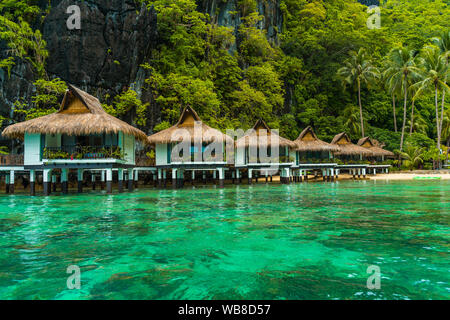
[(261, 127), (185, 129), (377, 150), (79, 114), (347, 148), (308, 141)]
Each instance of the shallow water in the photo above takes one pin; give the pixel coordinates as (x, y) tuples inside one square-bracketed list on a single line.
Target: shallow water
[(298, 241)]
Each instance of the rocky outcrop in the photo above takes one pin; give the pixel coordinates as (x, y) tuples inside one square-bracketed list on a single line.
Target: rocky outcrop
[(107, 51), (104, 56), (227, 13)]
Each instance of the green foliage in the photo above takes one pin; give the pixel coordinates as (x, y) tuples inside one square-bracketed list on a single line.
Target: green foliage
[(24, 43), (412, 156), (127, 102), (45, 101), (4, 150), (86, 152)]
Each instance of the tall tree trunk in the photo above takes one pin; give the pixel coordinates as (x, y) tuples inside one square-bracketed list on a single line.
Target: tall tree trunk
[(437, 116), (412, 119), (442, 111), (404, 113), (448, 148), (393, 111), (360, 109)]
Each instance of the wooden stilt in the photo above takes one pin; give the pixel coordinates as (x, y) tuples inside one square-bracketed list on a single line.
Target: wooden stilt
[(32, 182), (46, 178), (64, 181), (130, 180), (109, 178), (120, 179), (80, 180)]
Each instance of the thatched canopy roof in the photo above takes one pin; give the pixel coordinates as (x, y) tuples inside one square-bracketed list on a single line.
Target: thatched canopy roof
[(377, 150), (185, 129), (308, 141), (261, 128), (79, 114), (346, 147)]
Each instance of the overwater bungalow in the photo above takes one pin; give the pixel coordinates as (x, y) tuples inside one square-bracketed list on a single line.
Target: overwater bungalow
[(352, 157), (249, 156), (378, 155), (190, 145), (313, 154), (81, 136)]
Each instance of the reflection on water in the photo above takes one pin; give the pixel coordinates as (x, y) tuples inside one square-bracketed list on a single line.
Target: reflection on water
[(302, 241)]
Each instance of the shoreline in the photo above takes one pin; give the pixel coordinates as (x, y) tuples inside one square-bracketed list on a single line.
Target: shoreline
[(413, 175)]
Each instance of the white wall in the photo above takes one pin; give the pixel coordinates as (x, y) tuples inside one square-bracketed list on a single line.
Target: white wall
[(240, 156), (129, 148), (32, 151), (161, 154)]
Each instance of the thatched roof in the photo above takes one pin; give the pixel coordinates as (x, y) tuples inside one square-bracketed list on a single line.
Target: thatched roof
[(253, 139), (184, 129), (79, 114), (346, 147), (308, 141), (377, 151)]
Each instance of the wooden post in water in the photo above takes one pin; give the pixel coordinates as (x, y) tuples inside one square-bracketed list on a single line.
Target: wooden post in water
[(174, 178), (32, 182), (130, 180), (136, 178), (64, 181), (46, 176), (221, 177), (93, 180), (11, 181), (109, 178), (80, 180), (54, 183), (120, 179), (102, 183), (7, 183), (165, 178)]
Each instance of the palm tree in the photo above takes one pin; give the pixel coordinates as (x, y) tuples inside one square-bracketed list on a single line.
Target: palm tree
[(412, 91), (358, 69), (400, 74), (394, 91), (446, 130), (443, 43), (418, 124), (413, 156), (350, 115), (433, 77)]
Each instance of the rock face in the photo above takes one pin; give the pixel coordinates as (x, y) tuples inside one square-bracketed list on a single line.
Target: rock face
[(104, 56), (106, 52), (220, 13)]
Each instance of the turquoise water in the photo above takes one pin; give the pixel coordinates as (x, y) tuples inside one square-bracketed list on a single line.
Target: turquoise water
[(298, 241)]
